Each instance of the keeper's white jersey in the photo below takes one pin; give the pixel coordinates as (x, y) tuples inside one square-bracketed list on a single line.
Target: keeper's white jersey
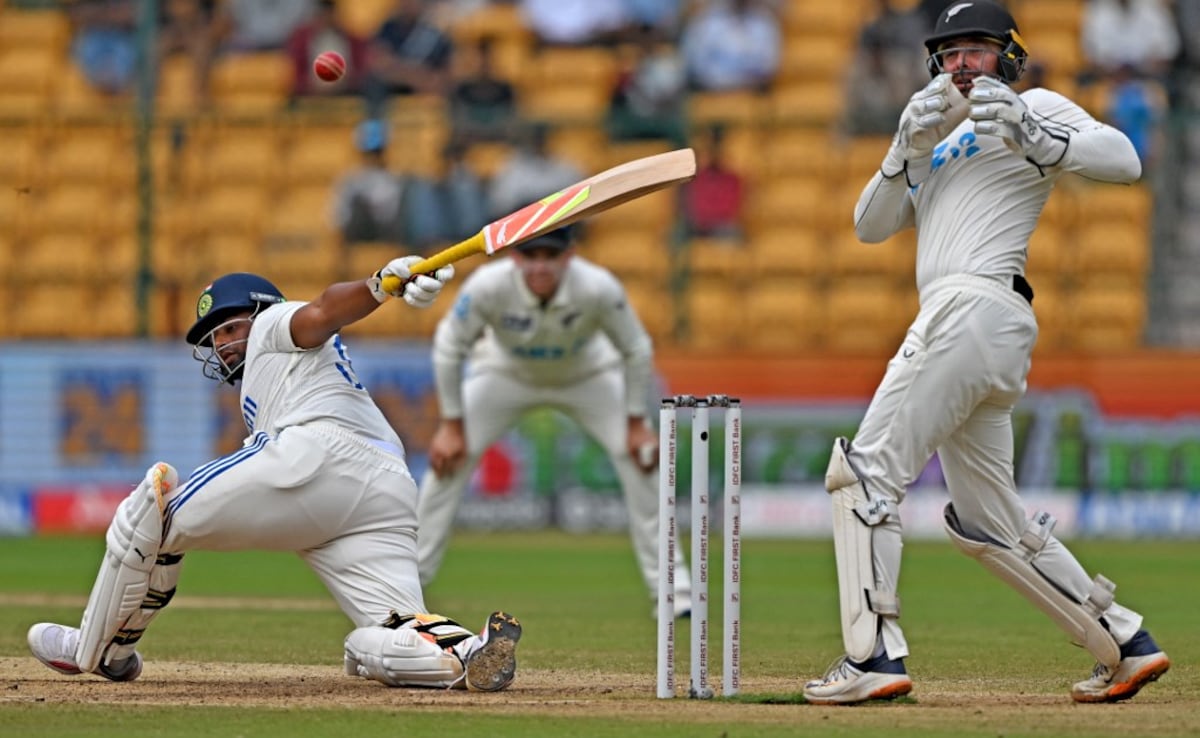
[(499, 325), (1003, 192), (284, 385)]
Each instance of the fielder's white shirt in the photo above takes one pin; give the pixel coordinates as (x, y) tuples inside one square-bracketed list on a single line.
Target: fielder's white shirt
[(1002, 190), (586, 328), (284, 385)]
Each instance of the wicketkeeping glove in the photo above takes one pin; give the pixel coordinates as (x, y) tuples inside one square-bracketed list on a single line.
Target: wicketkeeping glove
[(420, 292), (931, 114), (998, 110)]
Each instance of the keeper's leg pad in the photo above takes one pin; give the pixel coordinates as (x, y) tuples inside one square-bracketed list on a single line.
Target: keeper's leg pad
[(855, 515), (400, 657), (1018, 567), (121, 587)]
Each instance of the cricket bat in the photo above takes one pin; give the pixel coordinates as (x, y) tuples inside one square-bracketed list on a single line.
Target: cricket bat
[(593, 195)]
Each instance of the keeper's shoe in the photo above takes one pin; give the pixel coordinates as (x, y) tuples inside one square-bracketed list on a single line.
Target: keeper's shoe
[(683, 607), (1142, 662), (493, 666), (847, 682), (54, 645)]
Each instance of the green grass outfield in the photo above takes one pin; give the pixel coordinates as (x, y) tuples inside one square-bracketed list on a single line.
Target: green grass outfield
[(984, 663)]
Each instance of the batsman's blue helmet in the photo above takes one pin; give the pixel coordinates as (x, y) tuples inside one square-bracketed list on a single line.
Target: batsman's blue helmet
[(228, 295)]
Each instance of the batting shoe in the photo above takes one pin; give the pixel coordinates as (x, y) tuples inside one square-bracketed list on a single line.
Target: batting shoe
[(54, 645), (847, 682), (493, 666), (1142, 662)]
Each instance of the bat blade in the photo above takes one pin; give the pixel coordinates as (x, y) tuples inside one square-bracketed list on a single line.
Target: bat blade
[(592, 196)]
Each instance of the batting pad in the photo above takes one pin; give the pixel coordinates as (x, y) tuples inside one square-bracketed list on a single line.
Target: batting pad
[(400, 658), (854, 517), (133, 540), (1018, 567)]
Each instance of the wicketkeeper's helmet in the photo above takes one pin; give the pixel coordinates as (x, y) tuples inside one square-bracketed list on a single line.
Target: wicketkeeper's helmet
[(985, 19)]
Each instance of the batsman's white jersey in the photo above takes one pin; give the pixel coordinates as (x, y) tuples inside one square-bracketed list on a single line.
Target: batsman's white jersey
[(321, 473), (500, 353), (962, 366)]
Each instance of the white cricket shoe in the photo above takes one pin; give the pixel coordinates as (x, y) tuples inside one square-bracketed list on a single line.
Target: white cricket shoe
[(847, 683), (683, 607), (54, 645), (493, 666), (1142, 662)]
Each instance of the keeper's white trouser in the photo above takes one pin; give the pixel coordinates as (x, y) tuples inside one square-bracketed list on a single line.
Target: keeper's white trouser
[(494, 403), (346, 505), (951, 388)]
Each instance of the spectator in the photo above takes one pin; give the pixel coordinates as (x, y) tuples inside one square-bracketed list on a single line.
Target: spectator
[(1139, 34), (648, 100), (254, 25), (186, 28), (530, 174), (730, 45), (482, 104), (369, 203), (104, 44), (324, 32), (881, 79), (1136, 108), (712, 202), (654, 18), (408, 55), (574, 22), (463, 196)]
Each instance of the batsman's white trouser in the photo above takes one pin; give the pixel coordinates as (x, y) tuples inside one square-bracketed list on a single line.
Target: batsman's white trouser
[(494, 403), (951, 388), (344, 504)]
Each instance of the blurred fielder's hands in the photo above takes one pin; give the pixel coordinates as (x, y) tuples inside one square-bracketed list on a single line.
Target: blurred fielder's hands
[(643, 444), (931, 114), (998, 110), (448, 447), (420, 292)]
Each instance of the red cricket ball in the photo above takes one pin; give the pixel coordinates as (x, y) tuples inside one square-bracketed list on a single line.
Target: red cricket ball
[(329, 66)]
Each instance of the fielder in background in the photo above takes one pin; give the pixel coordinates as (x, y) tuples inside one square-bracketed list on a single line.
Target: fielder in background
[(543, 329), (321, 474), (970, 167)]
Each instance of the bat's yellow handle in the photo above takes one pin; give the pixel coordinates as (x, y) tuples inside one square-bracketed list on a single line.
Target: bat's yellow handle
[(461, 250)]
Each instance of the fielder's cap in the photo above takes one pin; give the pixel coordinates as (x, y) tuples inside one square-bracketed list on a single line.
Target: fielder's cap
[(974, 18), (371, 135), (556, 240)]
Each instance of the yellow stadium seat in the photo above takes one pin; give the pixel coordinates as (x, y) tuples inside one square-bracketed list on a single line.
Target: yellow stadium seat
[(48, 311), (29, 77), (653, 214), (1051, 254), (814, 56), (583, 145), (486, 157), (251, 82), (585, 66), (80, 208), (1056, 47), (34, 29), (810, 102), (739, 106), (1112, 248), (840, 19), (654, 305), (715, 315), (239, 158), (863, 157), (800, 152), (784, 316), (23, 147), (565, 102), (1051, 307), (894, 258), (1108, 318), (364, 17), (743, 151), (178, 87), (54, 255), (716, 256), (799, 202), (1059, 209), (619, 152), (368, 258), (490, 20), (74, 94), (630, 253), (232, 209), (866, 316), (298, 238), (792, 252), (94, 155), (319, 156), (1107, 203)]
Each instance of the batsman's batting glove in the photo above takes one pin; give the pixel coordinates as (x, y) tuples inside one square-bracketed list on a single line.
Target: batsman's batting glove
[(931, 114), (998, 110), (420, 291)]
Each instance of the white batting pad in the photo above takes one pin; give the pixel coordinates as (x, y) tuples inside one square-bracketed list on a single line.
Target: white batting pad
[(133, 539), (1021, 569), (399, 658)]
